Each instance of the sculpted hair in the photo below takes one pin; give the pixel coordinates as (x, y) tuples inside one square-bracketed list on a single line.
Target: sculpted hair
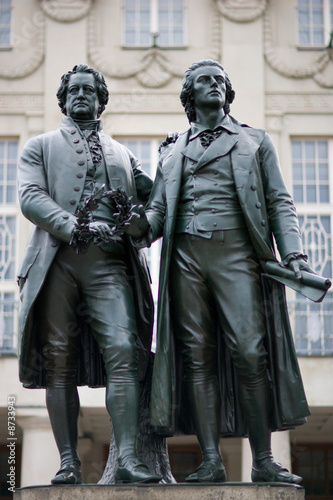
[(186, 95), (102, 90)]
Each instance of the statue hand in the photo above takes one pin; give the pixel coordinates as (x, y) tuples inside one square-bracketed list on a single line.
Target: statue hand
[(297, 265), (137, 224), (100, 230)]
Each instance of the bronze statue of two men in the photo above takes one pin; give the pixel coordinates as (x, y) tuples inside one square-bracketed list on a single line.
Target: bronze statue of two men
[(225, 362)]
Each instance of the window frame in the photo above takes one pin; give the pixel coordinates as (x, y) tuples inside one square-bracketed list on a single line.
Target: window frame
[(10, 26), (10, 286), (327, 28), (298, 306), (154, 42)]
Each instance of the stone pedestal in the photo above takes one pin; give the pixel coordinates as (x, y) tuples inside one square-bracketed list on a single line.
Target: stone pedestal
[(227, 491)]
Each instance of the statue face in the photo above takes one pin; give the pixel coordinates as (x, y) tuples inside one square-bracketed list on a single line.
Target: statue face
[(81, 100), (209, 88)]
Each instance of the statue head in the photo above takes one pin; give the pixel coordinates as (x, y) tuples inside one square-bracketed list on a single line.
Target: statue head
[(186, 95), (101, 87)]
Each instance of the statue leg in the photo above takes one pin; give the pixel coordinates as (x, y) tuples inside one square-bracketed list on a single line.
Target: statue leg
[(60, 340), (108, 296), (237, 290), (195, 331)]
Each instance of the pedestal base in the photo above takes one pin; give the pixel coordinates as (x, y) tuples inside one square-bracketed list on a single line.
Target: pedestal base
[(227, 491)]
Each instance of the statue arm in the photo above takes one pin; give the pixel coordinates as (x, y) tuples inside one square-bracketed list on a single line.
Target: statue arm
[(143, 181), (36, 203), (156, 208), (280, 206)]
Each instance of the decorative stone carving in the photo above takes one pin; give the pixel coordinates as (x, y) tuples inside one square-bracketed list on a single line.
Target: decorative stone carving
[(27, 53), (23, 103), (152, 67), (66, 10), (290, 62), (241, 11), (291, 102)]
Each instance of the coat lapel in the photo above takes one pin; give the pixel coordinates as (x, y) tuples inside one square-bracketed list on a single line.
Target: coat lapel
[(220, 147)]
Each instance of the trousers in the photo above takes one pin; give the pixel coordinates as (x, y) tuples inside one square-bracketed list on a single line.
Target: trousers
[(217, 281), (91, 288)]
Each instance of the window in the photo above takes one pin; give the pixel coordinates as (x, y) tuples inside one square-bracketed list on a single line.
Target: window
[(315, 19), (8, 244), (8, 169), (5, 22), (8, 322), (310, 171), (315, 464), (7, 248), (143, 19), (312, 164)]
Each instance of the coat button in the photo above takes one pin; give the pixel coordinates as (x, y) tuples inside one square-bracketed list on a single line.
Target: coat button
[(258, 204), (81, 162), (253, 187), (76, 141), (77, 188), (72, 131), (65, 216), (57, 226), (54, 244), (72, 202), (79, 150), (263, 223), (215, 224), (79, 175)]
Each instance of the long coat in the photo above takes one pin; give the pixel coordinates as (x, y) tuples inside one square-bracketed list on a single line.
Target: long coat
[(268, 210), (52, 171)]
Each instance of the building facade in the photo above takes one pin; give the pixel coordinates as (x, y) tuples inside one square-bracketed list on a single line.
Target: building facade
[(279, 57)]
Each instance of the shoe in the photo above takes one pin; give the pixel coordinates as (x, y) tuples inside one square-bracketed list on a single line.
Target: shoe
[(70, 474), (208, 472), (273, 472), (135, 471)]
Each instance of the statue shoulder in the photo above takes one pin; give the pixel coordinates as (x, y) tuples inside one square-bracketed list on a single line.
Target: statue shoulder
[(253, 134), (168, 143)]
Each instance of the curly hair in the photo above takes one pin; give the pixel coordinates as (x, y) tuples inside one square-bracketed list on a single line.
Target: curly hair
[(186, 95), (102, 90)]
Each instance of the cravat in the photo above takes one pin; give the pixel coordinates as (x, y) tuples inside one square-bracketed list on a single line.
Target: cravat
[(208, 136)]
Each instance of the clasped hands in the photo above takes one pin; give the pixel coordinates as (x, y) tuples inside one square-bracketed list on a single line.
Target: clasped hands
[(136, 226)]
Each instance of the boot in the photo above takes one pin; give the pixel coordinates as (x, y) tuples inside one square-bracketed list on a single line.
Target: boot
[(122, 401), (255, 402), (205, 408), (63, 407)]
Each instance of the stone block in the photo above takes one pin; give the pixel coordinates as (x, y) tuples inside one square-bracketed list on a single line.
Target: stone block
[(227, 491)]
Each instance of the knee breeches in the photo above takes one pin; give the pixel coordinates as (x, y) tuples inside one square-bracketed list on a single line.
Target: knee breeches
[(92, 290)]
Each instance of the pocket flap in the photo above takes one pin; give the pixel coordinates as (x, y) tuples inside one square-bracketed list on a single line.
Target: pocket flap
[(30, 256)]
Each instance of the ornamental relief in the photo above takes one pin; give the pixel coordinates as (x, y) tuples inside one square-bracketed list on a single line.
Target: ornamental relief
[(241, 11), (66, 10), (27, 52), (152, 67), (286, 59)]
